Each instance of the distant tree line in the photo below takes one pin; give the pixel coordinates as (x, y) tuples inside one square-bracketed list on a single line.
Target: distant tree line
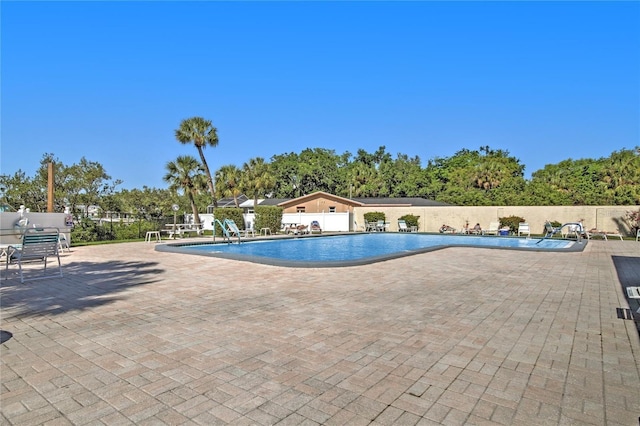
[(470, 178)]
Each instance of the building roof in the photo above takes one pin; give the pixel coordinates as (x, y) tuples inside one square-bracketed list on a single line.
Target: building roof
[(400, 201), (272, 201), (318, 194), (246, 202), (230, 202)]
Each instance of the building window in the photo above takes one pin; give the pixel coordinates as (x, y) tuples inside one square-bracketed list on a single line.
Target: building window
[(332, 209), (300, 209)]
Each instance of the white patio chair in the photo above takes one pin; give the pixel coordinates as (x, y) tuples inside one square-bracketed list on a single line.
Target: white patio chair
[(523, 229)]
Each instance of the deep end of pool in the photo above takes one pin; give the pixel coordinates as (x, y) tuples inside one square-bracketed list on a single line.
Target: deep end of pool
[(355, 249)]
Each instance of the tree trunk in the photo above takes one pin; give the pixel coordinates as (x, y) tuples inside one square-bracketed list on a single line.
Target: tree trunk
[(194, 209), (212, 188)]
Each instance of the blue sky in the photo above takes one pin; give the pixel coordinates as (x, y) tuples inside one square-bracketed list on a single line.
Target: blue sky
[(111, 81)]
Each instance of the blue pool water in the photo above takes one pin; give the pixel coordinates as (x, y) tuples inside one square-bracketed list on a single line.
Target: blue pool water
[(347, 250)]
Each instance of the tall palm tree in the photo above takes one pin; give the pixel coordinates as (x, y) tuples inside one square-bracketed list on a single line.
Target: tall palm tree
[(228, 182), (257, 178), (185, 174), (202, 133)]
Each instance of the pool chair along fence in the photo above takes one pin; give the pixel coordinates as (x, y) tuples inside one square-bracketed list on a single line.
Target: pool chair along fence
[(614, 234), (315, 227), (604, 234), (370, 226), (494, 229), (523, 229), (38, 245), (296, 229), (573, 231), (382, 226)]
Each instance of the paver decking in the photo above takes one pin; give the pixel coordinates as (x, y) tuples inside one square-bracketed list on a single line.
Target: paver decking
[(457, 336)]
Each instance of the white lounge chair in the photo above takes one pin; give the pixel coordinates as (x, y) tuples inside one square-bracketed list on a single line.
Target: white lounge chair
[(614, 234), (594, 233), (494, 228), (402, 226), (523, 229), (603, 234)]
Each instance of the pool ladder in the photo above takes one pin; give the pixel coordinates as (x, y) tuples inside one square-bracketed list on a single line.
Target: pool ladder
[(225, 232)]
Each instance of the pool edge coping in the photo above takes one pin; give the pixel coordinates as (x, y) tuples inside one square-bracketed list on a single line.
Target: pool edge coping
[(174, 247)]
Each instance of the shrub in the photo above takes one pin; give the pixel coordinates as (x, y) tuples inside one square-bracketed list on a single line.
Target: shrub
[(130, 231), (633, 217), (374, 216), (512, 222), (87, 230), (232, 213), (84, 231), (268, 217), (411, 220)]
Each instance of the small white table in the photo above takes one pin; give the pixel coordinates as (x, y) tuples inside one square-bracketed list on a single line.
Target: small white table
[(266, 231), (152, 236)]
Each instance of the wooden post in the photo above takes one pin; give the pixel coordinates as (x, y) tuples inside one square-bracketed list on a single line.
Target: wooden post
[(50, 189)]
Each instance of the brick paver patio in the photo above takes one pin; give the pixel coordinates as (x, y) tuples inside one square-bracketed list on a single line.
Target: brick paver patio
[(456, 336)]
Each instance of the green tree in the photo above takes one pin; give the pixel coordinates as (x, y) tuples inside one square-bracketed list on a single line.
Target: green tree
[(621, 176), (148, 203), (572, 182), (312, 170), (474, 177), (87, 183), (185, 175), (364, 180), (318, 171), (404, 177), (202, 133), (83, 183), (19, 189), (285, 170), (257, 178), (228, 182), (365, 176)]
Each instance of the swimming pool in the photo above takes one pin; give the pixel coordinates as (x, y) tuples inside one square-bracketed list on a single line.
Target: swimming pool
[(357, 249)]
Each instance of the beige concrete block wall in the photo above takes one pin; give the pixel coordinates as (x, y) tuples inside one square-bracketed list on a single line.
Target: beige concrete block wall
[(606, 218)]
